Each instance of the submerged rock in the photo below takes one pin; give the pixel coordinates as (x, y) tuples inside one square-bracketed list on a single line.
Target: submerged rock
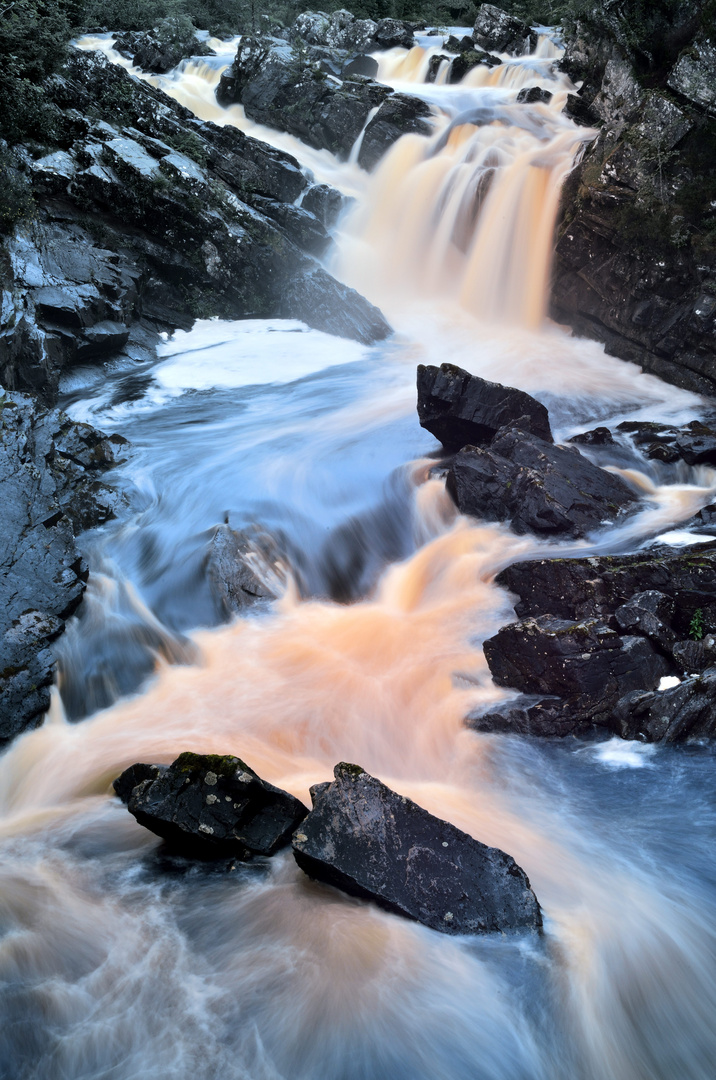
[(239, 566), (210, 805), (695, 443), (459, 408), (373, 843), (536, 486)]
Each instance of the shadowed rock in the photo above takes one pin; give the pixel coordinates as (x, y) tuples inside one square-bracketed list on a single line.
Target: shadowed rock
[(536, 486), (125, 784), (496, 30), (373, 843), (683, 712), (210, 805), (461, 409)]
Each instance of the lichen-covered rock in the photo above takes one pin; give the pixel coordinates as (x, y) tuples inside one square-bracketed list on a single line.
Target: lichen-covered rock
[(536, 486), (210, 805), (49, 469), (373, 843), (497, 31), (648, 614), (459, 408), (125, 784)]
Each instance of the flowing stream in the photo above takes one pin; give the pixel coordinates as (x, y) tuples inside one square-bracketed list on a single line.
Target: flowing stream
[(119, 962)]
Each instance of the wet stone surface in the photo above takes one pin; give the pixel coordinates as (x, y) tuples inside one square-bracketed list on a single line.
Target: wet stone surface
[(373, 843)]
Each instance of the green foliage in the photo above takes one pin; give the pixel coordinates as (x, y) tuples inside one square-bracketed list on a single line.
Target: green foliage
[(16, 200), (697, 627)]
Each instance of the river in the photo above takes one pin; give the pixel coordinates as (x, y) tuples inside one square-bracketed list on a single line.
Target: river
[(119, 962)]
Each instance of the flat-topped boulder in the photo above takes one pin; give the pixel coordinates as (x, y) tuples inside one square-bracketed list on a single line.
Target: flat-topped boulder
[(373, 843), (461, 409), (208, 805)]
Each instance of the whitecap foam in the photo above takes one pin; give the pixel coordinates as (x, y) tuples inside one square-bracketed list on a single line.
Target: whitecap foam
[(623, 753)]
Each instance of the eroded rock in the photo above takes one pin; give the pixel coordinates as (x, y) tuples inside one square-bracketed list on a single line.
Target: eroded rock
[(371, 842), (497, 31)]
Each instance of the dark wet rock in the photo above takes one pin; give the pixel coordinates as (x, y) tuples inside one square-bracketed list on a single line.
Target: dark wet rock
[(579, 110), (342, 30), (466, 61), (497, 31), (534, 95), (704, 522), (681, 713), (157, 51), (599, 436), (695, 443), (160, 219), (649, 614), (393, 34), (401, 114), (49, 469), (459, 408), (561, 657), (211, 806), (326, 203), (280, 87), (692, 657), (361, 65), (241, 567), (125, 784), (298, 223), (530, 714), (635, 263), (595, 587), (434, 66), (373, 843), (536, 486)]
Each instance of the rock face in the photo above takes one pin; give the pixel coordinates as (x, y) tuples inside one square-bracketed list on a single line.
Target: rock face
[(536, 486), (208, 805), (497, 31), (49, 469), (372, 843), (284, 88), (459, 408), (594, 639), (635, 262), (148, 219)]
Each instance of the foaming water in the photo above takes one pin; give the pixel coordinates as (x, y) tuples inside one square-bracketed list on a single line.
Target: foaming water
[(118, 960)]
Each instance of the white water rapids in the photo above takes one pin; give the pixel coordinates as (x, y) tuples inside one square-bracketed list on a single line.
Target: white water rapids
[(117, 962)]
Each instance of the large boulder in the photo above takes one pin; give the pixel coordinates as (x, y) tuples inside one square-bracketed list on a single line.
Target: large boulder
[(210, 805), (49, 474), (373, 843), (461, 409), (497, 31), (400, 114), (161, 49), (536, 486)]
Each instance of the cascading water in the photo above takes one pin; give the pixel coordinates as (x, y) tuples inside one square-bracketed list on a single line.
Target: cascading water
[(116, 961)]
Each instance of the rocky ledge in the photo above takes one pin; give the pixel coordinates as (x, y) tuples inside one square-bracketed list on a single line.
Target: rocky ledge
[(635, 263), (319, 86), (596, 637), (147, 218), (49, 473)]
